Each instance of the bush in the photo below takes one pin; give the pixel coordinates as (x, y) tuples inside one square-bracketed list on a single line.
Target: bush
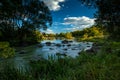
[(4, 45), (6, 51)]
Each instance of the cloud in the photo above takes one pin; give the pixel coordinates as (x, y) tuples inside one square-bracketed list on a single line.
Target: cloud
[(53, 5), (78, 23), (48, 31)]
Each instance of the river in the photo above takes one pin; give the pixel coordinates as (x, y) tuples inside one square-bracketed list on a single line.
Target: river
[(48, 49)]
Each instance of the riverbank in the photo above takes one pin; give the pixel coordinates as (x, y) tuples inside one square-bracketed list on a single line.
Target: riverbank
[(103, 65)]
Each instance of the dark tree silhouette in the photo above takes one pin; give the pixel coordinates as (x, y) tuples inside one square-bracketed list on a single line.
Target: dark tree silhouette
[(21, 17), (25, 12), (108, 14)]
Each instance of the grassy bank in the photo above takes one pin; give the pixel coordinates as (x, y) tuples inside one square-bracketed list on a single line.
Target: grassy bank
[(103, 65)]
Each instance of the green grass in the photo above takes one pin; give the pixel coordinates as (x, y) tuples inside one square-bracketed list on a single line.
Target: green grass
[(104, 65), (9, 72)]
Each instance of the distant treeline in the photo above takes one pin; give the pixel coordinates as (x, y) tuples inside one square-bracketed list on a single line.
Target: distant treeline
[(87, 33)]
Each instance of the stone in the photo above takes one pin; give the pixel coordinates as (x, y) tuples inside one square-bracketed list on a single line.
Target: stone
[(65, 41), (90, 50), (69, 45), (48, 43), (79, 53), (65, 49), (88, 46), (51, 48), (58, 45)]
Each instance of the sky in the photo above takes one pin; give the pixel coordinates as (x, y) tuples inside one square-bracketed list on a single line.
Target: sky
[(69, 15)]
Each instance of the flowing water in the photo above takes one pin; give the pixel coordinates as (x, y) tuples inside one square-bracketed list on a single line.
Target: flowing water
[(49, 49)]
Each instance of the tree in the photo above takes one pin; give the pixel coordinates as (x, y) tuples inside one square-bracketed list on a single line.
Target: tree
[(61, 35), (77, 33), (38, 35), (89, 33), (19, 18), (68, 35), (25, 12), (108, 14)]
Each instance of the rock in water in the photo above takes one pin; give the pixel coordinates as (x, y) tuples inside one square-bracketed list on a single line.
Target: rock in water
[(58, 45), (65, 41), (48, 43)]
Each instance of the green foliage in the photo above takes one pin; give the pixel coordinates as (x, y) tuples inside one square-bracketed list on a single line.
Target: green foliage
[(61, 35), (30, 12), (107, 14), (89, 33), (19, 19), (4, 45), (77, 33), (48, 36), (68, 35), (6, 51), (38, 35)]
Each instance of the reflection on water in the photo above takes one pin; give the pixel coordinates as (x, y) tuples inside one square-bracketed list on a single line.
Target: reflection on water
[(50, 48)]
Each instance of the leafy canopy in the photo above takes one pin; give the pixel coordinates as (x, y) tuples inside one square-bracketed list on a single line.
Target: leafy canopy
[(19, 19), (108, 14), (25, 12)]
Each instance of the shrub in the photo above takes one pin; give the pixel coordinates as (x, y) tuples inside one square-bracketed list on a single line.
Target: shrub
[(6, 51)]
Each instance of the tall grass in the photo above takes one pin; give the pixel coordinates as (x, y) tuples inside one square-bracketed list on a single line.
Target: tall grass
[(10, 72), (103, 65)]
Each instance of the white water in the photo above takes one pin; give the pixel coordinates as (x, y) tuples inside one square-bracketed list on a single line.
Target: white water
[(37, 53), (70, 51)]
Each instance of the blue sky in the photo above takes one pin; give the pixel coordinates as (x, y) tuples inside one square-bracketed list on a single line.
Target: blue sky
[(69, 15)]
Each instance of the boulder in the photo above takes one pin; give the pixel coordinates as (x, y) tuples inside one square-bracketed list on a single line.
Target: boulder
[(58, 45), (88, 46), (79, 53), (94, 49), (51, 48), (69, 45), (73, 48), (63, 45), (65, 41), (90, 50), (48, 43), (65, 49)]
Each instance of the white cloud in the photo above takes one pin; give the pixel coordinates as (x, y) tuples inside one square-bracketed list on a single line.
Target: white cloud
[(78, 23), (48, 31), (53, 4)]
